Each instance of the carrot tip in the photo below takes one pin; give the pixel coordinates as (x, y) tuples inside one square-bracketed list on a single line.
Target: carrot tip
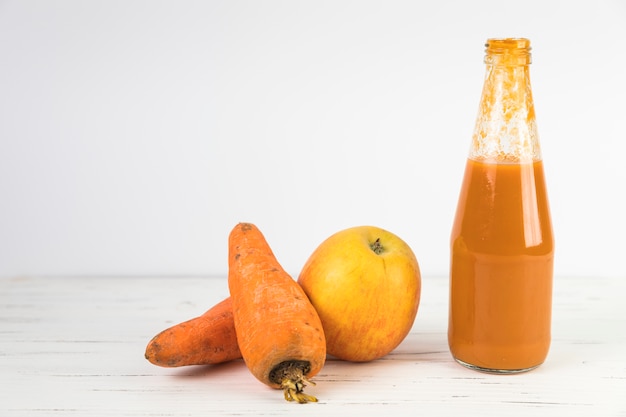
[(293, 390), (290, 375)]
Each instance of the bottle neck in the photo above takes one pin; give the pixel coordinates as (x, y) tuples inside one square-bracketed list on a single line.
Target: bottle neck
[(505, 129)]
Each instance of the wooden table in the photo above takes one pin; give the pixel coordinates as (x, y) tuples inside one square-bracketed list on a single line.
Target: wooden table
[(74, 346)]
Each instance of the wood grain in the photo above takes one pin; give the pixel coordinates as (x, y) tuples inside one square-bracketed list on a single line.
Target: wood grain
[(74, 346)]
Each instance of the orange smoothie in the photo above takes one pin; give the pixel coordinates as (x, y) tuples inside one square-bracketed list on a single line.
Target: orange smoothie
[(501, 268)]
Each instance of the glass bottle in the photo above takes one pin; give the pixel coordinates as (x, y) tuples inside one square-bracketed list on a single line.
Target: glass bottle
[(502, 247)]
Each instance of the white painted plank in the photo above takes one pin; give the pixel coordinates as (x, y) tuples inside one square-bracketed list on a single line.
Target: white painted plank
[(74, 346)]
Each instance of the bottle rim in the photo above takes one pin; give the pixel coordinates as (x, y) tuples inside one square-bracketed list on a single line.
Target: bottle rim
[(507, 51), (510, 44)]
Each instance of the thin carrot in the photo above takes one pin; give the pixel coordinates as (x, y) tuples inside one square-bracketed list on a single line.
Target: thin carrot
[(204, 340), (278, 330)]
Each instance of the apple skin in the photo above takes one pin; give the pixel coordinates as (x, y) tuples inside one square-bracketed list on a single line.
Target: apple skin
[(367, 301)]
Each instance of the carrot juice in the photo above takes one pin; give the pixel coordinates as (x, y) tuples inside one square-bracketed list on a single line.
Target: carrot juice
[(502, 254)]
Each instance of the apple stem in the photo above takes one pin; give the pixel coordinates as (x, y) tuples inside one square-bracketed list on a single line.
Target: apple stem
[(377, 247)]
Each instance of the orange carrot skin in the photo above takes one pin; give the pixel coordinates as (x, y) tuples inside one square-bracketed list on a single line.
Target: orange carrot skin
[(204, 340), (274, 318)]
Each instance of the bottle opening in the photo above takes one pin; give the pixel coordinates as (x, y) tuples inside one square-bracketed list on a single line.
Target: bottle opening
[(507, 51)]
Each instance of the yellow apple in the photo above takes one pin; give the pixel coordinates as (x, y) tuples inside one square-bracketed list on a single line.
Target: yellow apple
[(365, 284)]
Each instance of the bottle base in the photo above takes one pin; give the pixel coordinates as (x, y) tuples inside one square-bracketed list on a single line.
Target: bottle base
[(495, 371)]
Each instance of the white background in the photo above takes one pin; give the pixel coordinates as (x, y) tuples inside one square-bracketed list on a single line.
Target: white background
[(135, 134)]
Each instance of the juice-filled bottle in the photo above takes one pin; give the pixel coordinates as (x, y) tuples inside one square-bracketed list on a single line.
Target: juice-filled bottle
[(502, 247)]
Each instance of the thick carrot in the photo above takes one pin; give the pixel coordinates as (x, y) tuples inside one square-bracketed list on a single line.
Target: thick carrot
[(278, 330), (204, 340)]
